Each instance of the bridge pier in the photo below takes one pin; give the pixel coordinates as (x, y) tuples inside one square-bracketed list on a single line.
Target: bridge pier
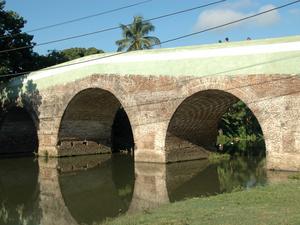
[(50, 201), (149, 142), (150, 187), (48, 134), (161, 122), (172, 97)]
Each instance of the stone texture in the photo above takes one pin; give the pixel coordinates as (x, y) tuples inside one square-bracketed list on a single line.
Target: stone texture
[(187, 107)]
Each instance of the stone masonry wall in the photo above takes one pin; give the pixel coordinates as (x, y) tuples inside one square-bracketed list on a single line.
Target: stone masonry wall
[(150, 102)]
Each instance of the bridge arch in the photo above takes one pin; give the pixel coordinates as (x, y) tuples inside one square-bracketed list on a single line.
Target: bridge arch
[(193, 127), (89, 122), (19, 130)]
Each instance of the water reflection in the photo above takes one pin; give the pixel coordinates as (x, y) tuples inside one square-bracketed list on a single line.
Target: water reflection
[(150, 189), (19, 191), (88, 189), (102, 189)]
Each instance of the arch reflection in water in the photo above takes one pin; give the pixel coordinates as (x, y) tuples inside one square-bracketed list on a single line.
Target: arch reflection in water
[(157, 184), (91, 188), (87, 189), (201, 178), (19, 192), (103, 189)]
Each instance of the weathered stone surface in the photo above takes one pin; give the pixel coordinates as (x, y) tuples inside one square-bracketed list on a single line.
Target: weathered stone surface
[(73, 148), (187, 100), (192, 114)]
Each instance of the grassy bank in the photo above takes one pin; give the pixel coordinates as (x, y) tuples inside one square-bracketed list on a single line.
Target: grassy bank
[(274, 204)]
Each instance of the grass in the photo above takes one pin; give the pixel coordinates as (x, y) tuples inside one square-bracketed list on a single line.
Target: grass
[(295, 176), (218, 157), (277, 204)]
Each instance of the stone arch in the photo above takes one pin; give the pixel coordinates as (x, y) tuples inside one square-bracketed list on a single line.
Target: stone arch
[(192, 129), (87, 121), (19, 130)]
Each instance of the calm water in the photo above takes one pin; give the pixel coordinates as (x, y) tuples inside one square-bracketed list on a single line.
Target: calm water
[(88, 189)]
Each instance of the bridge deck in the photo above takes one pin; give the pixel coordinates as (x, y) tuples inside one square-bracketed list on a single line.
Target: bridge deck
[(269, 56)]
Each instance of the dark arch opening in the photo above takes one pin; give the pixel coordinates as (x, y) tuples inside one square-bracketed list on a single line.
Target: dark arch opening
[(121, 135), (94, 122), (193, 129), (18, 134)]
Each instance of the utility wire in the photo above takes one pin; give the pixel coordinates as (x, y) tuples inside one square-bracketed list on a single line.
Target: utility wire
[(232, 22), (167, 41), (111, 28), (79, 19)]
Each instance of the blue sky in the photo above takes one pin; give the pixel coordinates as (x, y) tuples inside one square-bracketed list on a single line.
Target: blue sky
[(39, 13)]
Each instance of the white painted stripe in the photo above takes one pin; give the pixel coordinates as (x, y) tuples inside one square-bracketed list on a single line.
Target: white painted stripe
[(176, 55)]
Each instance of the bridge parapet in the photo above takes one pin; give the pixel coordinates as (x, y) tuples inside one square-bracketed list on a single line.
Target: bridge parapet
[(154, 87)]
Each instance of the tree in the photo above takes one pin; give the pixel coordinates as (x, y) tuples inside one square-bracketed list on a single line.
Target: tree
[(239, 125), (74, 53), (240, 122), (11, 25), (11, 36), (135, 35), (55, 57)]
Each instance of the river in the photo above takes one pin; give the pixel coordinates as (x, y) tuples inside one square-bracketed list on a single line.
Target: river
[(89, 189)]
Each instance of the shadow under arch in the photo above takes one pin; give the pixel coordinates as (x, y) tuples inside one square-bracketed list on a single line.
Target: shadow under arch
[(193, 128), (18, 131), (89, 122), (93, 188)]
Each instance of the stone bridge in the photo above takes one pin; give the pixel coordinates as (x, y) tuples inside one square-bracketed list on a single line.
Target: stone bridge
[(165, 103)]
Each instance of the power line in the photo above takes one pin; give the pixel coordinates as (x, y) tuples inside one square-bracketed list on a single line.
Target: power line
[(232, 22), (167, 41), (79, 19), (111, 28)]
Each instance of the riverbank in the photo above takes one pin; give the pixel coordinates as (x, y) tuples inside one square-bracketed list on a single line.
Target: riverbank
[(274, 204)]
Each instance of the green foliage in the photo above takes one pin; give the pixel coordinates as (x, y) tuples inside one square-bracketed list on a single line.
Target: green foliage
[(295, 176), (217, 157), (55, 57), (239, 126), (125, 191), (11, 25), (74, 53), (251, 172), (16, 216), (240, 122), (135, 36)]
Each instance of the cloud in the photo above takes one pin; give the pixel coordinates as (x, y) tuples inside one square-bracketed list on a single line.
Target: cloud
[(267, 19), (295, 11), (219, 16), (216, 17), (240, 4)]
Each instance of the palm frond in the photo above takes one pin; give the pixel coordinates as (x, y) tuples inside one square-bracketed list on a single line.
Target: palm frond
[(135, 35), (122, 44), (153, 40), (147, 28)]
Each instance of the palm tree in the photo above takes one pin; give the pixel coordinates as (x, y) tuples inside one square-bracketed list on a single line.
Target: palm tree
[(135, 35)]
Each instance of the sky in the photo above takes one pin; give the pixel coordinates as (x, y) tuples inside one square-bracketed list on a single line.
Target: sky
[(38, 13)]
